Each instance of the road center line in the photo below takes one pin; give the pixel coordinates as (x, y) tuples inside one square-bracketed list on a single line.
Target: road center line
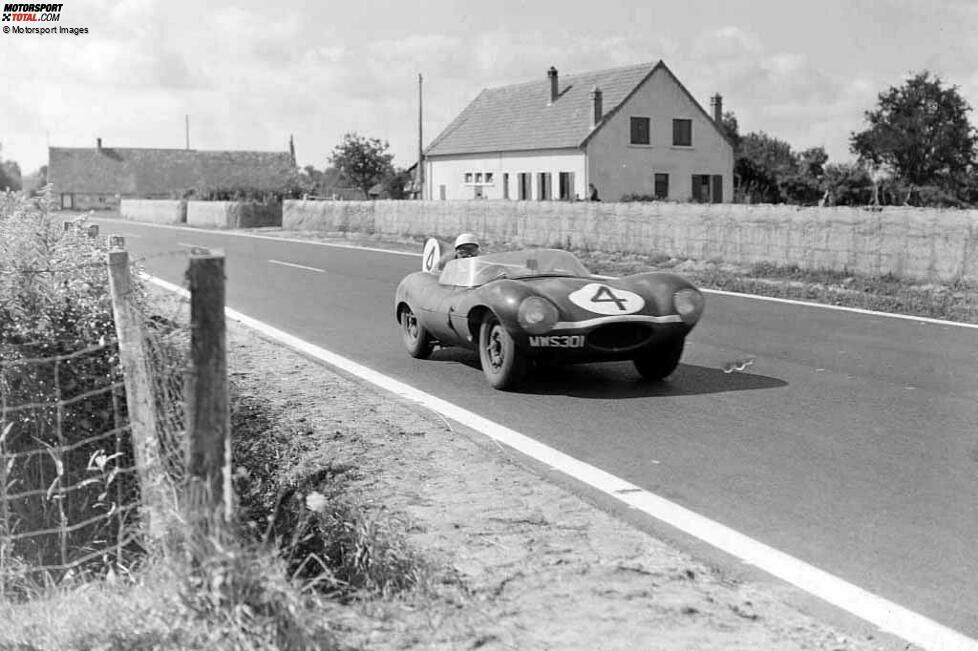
[(298, 266), (885, 614), (192, 246)]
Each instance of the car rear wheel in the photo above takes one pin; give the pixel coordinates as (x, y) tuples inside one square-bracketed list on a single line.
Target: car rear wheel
[(660, 362), (415, 336), (501, 362)]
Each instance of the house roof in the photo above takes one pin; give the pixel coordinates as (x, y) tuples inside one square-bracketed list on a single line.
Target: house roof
[(520, 118), (145, 172)]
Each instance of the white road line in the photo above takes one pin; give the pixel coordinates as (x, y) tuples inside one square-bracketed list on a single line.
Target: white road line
[(855, 310), (264, 237), (298, 266), (192, 246), (885, 614)]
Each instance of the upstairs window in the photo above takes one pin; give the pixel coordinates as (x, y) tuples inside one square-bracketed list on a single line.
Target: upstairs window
[(640, 131), (682, 133)]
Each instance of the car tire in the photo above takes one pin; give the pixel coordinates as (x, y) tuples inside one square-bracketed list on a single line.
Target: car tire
[(502, 363), (659, 363), (416, 338)]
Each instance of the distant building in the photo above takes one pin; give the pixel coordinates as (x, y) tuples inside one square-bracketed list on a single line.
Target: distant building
[(633, 130), (94, 178)]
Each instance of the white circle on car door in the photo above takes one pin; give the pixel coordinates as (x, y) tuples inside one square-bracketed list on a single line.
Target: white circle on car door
[(602, 299), (431, 255)]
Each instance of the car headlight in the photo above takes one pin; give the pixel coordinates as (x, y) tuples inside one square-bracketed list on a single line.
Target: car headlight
[(536, 315), (689, 304)]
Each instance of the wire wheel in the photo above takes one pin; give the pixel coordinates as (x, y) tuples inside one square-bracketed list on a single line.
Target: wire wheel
[(502, 363), (415, 336)]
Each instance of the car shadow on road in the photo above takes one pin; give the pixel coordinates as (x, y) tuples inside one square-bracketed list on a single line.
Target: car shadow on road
[(620, 379)]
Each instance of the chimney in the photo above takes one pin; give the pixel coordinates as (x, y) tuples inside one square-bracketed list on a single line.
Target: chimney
[(552, 75), (596, 102), (98, 144), (717, 103)]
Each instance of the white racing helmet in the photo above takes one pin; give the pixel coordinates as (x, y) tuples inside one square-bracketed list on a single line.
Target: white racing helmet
[(466, 238)]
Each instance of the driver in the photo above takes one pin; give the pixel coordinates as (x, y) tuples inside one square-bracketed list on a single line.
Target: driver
[(466, 246)]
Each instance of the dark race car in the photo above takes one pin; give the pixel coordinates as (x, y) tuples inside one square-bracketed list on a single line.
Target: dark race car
[(543, 304)]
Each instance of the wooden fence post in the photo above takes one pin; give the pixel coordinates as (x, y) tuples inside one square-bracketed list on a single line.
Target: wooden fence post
[(117, 241), (208, 414), (140, 402)]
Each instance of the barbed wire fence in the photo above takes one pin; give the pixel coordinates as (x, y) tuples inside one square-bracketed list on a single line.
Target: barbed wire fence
[(94, 450)]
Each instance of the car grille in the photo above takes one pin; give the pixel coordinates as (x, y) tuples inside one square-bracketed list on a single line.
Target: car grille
[(619, 336)]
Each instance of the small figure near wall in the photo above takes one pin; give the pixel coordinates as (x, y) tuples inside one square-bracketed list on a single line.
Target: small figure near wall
[(592, 193)]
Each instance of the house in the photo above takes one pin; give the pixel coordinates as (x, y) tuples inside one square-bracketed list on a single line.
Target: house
[(634, 130), (99, 177)]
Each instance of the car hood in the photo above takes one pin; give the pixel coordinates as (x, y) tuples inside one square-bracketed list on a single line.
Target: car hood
[(586, 298)]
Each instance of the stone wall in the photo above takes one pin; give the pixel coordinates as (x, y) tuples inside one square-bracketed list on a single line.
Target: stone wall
[(233, 214), (154, 211), (907, 242)]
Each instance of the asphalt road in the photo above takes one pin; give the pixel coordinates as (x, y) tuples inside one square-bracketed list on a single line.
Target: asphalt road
[(850, 442)]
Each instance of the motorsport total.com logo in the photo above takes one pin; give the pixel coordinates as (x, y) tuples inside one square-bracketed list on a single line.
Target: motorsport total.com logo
[(31, 13), (27, 18)]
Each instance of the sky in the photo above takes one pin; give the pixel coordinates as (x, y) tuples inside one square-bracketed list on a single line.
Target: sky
[(251, 74)]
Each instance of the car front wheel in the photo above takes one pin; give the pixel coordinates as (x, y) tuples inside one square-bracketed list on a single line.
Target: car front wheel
[(660, 362), (501, 362), (415, 336)]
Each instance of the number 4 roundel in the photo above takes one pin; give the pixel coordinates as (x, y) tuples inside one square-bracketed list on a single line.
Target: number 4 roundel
[(602, 299)]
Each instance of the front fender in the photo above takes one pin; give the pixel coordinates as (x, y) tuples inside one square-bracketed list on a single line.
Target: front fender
[(503, 297)]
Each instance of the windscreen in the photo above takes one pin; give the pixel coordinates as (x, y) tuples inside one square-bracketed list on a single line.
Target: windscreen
[(526, 263)]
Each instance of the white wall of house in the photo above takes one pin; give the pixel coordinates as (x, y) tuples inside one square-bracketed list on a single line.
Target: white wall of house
[(618, 167), (465, 176)]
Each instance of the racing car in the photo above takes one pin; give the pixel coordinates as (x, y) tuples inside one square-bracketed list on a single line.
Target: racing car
[(543, 304)]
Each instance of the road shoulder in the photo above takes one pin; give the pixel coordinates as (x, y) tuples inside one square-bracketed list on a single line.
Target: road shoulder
[(531, 564)]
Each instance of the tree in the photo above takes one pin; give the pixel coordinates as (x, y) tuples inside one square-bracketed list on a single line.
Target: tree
[(9, 174), (848, 184), (768, 170), (305, 181), (395, 183), (363, 162), (732, 129), (920, 132), (762, 165)]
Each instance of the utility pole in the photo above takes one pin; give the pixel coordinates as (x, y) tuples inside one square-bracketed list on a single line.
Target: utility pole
[(187, 128), (420, 173)]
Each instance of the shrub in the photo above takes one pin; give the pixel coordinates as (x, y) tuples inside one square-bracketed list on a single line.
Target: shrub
[(60, 389)]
